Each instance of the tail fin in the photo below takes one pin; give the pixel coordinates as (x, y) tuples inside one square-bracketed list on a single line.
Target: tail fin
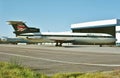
[(20, 27)]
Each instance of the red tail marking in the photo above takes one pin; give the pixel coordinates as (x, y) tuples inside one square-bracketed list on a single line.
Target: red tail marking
[(21, 28)]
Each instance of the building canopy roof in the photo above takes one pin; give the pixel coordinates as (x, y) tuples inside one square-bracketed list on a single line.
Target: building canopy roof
[(95, 24)]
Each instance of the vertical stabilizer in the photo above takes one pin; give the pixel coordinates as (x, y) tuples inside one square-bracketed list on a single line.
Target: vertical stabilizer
[(20, 27)]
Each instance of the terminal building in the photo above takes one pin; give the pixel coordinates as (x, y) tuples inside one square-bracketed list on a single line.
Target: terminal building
[(111, 26)]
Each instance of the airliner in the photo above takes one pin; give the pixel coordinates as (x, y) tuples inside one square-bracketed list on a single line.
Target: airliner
[(23, 31)]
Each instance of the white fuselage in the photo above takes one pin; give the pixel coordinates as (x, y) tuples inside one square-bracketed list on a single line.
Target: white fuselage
[(92, 38)]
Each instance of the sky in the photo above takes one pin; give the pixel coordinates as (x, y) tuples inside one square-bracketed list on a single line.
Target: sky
[(55, 15)]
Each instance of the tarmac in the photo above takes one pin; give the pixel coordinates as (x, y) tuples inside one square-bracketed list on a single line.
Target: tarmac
[(49, 59)]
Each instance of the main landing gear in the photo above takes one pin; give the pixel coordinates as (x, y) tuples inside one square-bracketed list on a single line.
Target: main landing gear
[(58, 44)]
